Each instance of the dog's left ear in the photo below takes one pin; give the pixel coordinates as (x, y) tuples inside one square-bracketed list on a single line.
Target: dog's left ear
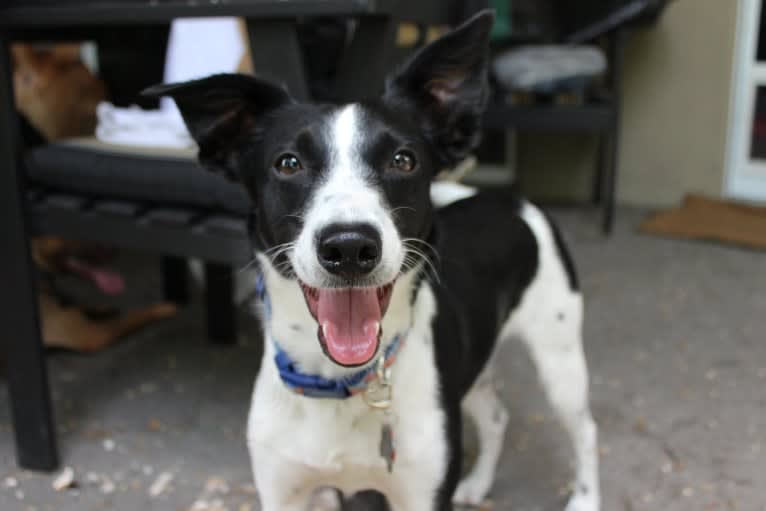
[(446, 82), (219, 111)]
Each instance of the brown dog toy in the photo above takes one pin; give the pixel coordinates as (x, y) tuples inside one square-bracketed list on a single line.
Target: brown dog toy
[(71, 328), (66, 325)]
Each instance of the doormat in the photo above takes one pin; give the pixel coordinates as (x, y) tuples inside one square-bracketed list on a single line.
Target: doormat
[(702, 218)]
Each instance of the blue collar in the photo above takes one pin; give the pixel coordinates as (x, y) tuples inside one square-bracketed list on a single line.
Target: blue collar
[(312, 385)]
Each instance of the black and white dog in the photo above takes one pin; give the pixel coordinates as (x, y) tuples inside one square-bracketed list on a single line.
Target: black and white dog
[(382, 313)]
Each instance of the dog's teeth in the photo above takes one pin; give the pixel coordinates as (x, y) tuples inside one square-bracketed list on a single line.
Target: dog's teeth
[(324, 329), (377, 327)]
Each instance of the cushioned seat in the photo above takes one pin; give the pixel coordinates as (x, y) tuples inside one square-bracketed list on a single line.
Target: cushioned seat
[(161, 176)]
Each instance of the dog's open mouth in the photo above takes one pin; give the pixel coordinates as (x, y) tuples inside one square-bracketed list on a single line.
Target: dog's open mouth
[(349, 321)]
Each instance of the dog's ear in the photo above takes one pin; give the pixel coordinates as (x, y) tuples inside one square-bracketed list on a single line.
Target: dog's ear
[(219, 110), (447, 83)]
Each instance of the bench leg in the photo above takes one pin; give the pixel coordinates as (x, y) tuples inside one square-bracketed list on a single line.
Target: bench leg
[(608, 178), (277, 54), (367, 59), (219, 303), (598, 176), (611, 139), (175, 279), (25, 366)]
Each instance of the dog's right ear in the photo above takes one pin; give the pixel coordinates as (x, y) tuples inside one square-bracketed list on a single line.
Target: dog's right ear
[(219, 110), (446, 84)]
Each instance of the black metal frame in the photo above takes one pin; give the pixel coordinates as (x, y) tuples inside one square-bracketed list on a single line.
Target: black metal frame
[(175, 279), (177, 233), (116, 12), (25, 366), (610, 144)]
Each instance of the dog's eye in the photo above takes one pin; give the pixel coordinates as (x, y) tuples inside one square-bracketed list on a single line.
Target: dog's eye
[(288, 164), (403, 161)]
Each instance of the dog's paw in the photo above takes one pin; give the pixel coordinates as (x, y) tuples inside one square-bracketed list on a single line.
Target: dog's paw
[(583, 502), (471, 491), (326, 499)]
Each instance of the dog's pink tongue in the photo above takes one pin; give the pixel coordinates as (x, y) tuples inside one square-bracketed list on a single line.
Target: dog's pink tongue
[(350, 319), (108, 281)]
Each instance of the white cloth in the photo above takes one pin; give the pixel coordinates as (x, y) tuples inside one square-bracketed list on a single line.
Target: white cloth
[(532, 66), (197, 47), (137, 127)]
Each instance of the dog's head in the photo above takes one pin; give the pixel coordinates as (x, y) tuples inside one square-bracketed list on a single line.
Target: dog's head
[(341, 193)]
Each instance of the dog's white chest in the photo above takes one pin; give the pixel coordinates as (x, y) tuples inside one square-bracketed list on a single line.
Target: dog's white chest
[(326, 437), (326, 442)]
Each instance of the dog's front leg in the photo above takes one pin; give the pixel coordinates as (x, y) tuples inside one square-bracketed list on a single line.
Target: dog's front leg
[(277, 501), (413, 501), (416, 490), (281, 485)]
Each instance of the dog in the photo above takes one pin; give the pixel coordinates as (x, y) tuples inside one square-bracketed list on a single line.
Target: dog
[(381, 314), (72, 326), (55, 91)]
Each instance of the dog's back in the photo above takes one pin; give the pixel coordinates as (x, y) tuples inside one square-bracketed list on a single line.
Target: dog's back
[(487, 256), (505, 273)]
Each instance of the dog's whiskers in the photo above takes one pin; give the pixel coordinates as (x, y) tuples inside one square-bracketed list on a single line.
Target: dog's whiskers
[(295, 215), (413, 256), (277, 248), (286, 267), (426, 244), (275, 252), (248, 265)]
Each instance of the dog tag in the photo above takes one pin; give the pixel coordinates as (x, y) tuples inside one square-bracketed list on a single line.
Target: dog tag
[(378, 395), (387, 448)]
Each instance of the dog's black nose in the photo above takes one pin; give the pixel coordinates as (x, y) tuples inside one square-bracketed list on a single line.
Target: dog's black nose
[(350, 250)]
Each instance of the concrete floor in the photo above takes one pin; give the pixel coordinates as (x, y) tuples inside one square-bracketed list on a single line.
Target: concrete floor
[(678, 362)]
